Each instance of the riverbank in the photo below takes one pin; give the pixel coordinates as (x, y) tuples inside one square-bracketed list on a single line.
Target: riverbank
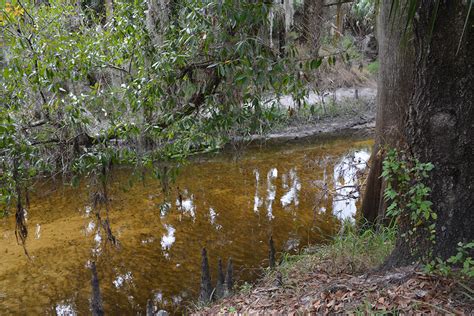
[(341, 277), (346, 111)]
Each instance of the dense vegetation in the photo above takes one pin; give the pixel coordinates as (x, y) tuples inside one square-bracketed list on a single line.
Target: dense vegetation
[(85, 89), (89, 85)]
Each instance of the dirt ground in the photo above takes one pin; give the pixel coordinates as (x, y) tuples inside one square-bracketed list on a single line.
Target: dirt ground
[(319, 290)]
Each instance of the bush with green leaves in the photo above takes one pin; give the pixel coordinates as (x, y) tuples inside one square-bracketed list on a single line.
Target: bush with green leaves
[(373, 67), (408, 197), (461, 264), (405, 189)]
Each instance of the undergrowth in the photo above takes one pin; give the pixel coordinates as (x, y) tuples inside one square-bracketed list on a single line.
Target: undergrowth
[(350, 251)]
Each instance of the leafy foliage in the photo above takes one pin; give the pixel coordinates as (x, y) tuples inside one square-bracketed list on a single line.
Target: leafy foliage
[(83, 92), (405, 189), (461, 259), (407, 195)]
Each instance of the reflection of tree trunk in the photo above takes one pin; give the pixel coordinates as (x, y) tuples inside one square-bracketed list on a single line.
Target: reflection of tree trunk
[(313, 23), (96, 299), (395, 86), (440, 129)]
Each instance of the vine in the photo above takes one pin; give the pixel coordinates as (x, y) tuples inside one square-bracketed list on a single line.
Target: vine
[(407, 195)]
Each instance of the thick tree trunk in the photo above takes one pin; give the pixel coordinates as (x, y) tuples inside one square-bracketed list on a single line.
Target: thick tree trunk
[(395, 87), (157, 19), (440, 128), (313, 23)]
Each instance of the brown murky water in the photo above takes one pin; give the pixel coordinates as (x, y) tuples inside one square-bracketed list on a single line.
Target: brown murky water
[(230, 207)]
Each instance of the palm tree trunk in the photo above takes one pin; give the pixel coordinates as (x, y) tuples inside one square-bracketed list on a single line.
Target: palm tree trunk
[(395, 87)]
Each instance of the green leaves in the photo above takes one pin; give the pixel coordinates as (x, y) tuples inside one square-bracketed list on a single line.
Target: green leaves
[(406, 191), (81, 94), (461, 264)]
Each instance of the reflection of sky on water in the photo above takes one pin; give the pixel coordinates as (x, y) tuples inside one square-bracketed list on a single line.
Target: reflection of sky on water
[(90, 227), (293, 189), (87, 211), (38, 231), (343, 199), (271, 192), (148, 240), (186, 205), (123, 278), (65, 309), (212, 218), (164, 209), (96, 250), (345, 178), (168, 239), (257, 201)]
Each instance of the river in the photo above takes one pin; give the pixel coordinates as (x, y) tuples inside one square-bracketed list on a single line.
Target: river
[(298, 193)]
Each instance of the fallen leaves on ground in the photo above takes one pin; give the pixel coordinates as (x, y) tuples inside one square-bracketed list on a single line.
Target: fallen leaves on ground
[(404, 290)]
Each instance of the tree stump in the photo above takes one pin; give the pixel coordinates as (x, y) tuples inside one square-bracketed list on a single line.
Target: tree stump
[(206, 287), (229, 281)]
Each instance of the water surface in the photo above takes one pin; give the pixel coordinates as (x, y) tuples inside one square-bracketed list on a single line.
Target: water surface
[(298, 193)]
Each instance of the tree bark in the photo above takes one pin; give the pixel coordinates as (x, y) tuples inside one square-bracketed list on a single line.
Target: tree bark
[(395, 87), (313, 23), (289, 15), (157, 19), (440, 128)]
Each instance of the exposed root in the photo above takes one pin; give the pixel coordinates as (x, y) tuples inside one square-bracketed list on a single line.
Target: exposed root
[(21, 230), (101, 201)]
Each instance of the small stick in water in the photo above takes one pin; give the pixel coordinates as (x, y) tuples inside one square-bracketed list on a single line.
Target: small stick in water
[(278, 279), (229, 282), (206, 287), (220, 280), (150, 309), (96, 299), (271, 253)]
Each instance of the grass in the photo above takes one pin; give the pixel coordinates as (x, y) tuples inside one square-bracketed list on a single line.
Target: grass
[(310, 113), (373, 67), (359, 251), (350, 251)]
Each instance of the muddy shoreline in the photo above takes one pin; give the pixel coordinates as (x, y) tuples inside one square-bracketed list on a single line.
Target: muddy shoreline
[(358, 122), (362, 125)]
